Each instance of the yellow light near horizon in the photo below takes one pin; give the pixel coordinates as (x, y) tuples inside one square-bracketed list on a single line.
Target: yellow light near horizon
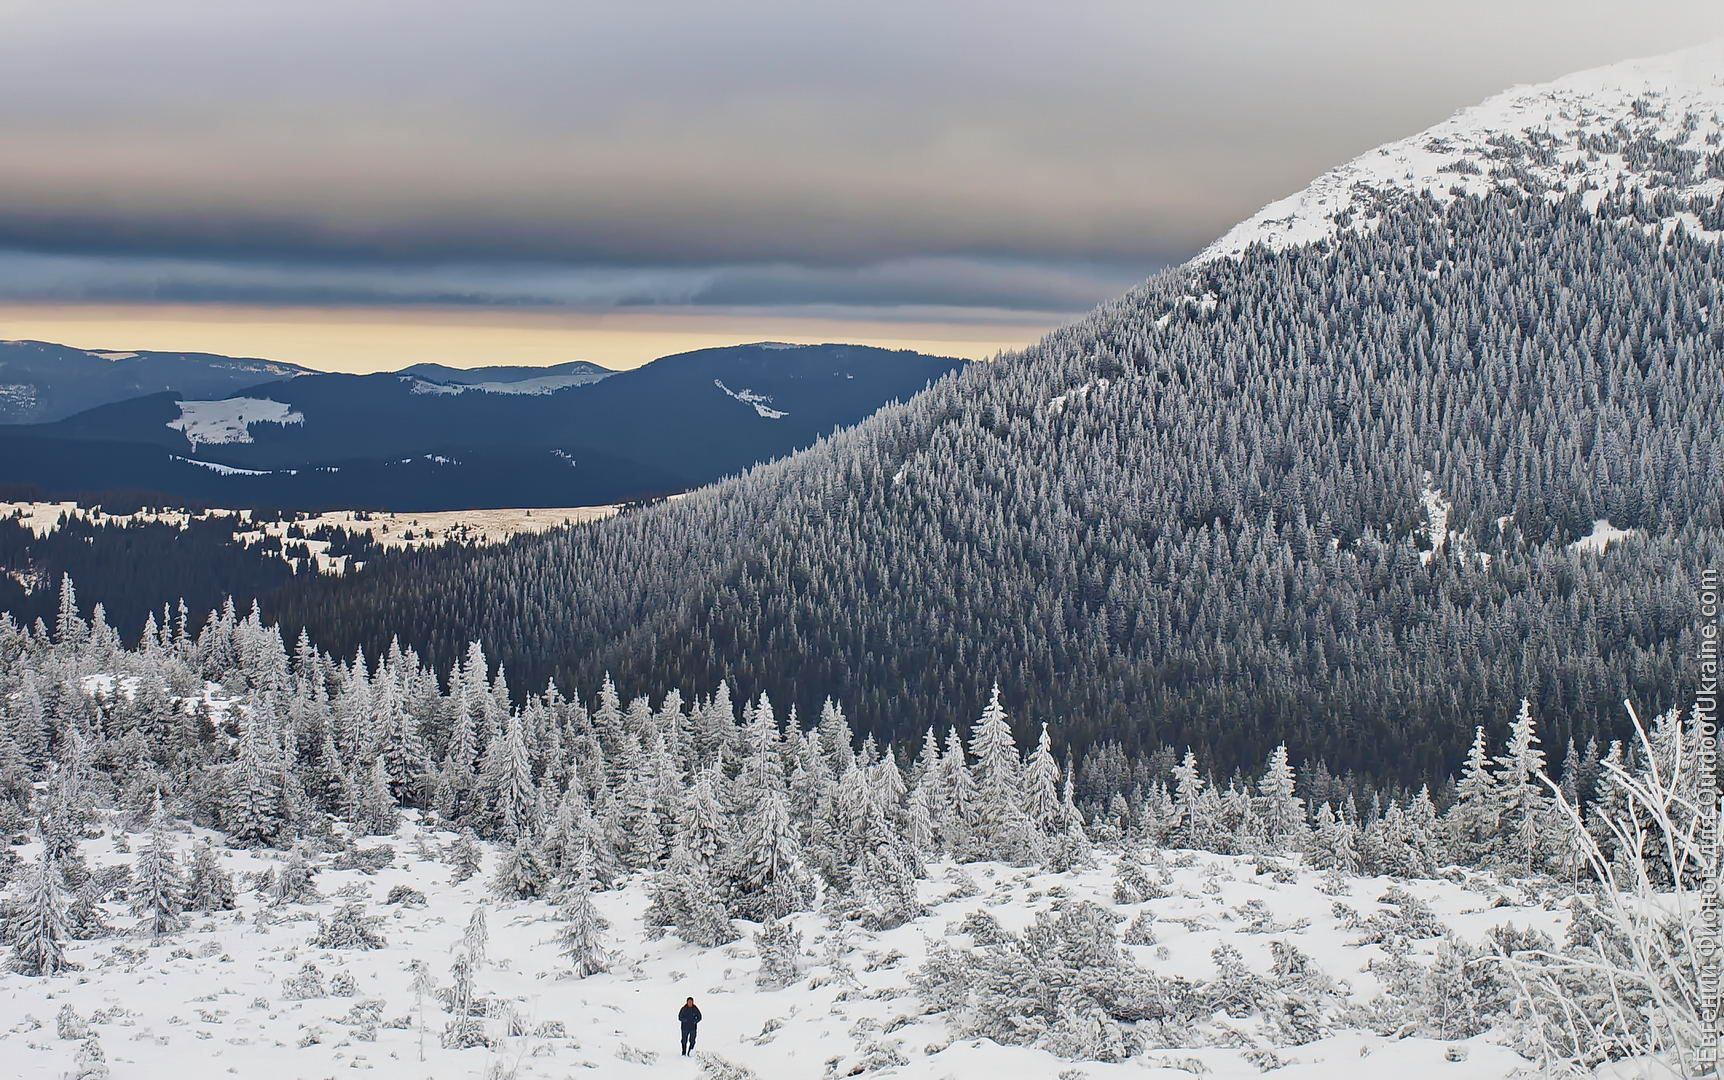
[(371, 339)]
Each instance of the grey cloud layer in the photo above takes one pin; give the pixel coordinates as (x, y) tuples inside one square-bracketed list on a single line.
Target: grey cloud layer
[(996, 154)]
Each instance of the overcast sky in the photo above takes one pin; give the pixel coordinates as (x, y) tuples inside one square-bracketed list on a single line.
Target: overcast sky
[(367, 183)]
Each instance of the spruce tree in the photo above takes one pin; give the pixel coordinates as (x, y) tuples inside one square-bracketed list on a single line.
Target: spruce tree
[(39, 924)]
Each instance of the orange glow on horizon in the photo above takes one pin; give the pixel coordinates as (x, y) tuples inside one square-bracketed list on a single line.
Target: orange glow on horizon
[(364, 340)]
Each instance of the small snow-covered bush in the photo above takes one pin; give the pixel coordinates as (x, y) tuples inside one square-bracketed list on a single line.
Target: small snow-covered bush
[(1411, 918), (405, 896), (69, 1025), (305, 985), (1140, 931), (366, 860), (713, 1067), (1064, 984), (348, 928)]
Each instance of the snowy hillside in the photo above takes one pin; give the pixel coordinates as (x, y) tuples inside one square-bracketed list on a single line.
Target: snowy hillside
[(220, 856), (1655, 126), (236, 989)]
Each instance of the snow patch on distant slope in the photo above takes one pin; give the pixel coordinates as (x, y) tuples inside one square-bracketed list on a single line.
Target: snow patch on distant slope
[(115, 355), (1057, 403), (1436, 519), (749, 397), (229, 420), (229, 470), (546, 384), (1654, 125), (1603, 535)]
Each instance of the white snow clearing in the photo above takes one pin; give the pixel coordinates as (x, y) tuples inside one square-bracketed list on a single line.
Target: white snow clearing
[(1583, 132), (1057, 403), (1603, 535), (229, 420), (115, 355), (390, 530), (749, 397)]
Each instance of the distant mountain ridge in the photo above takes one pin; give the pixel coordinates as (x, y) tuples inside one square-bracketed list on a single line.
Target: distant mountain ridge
[(430, 437), (41, 382)]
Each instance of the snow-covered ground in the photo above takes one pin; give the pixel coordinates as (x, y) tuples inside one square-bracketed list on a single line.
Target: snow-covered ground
[(390, 530), (210, 1000), (229, 420), (1591, 129)]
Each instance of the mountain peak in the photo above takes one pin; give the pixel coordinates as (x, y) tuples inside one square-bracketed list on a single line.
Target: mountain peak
[(1655, 125)]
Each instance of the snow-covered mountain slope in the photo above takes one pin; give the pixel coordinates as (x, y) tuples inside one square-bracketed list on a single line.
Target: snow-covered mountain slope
[(1654, 125)]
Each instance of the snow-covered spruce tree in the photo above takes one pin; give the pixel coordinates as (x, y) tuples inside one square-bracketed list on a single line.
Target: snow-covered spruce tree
[(1523, 808), (886, 885), (91, 1063), (463, 856), (766, 873), (700, 915), (1047, 985), (476, 938), (296, 880), (39, 922), (1282, 810), (253, 814), (506, 783), (522, 874), (157, 893), (1001, 827), (1471, 822), (779, 946), (581, 938)]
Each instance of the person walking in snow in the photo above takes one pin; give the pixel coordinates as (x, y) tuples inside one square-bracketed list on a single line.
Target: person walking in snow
[(689, 1017)]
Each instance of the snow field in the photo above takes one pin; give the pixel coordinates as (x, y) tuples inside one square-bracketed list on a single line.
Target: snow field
[(209, 1000)]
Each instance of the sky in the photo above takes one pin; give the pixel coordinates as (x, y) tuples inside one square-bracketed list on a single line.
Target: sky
[(366, 184)]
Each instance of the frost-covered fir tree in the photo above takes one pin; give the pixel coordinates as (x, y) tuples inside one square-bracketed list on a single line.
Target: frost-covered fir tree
[(1000, 827), (581, 939), (463, 856), (522, 874), (1471, 823), (779, 946), (1042, 786), (507, 784), (158, 893), (1283, 812), (39, 924), (466, 1027), (767, 875), (209, 887), (1523, 809)]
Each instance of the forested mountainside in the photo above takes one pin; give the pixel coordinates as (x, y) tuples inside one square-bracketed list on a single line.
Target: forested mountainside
[(1328, 494)]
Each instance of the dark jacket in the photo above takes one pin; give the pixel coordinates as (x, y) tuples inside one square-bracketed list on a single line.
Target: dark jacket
[(690, 1016)]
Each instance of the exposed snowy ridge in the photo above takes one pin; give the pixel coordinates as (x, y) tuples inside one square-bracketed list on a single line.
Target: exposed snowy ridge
[(546, 384), (1655, 125)]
